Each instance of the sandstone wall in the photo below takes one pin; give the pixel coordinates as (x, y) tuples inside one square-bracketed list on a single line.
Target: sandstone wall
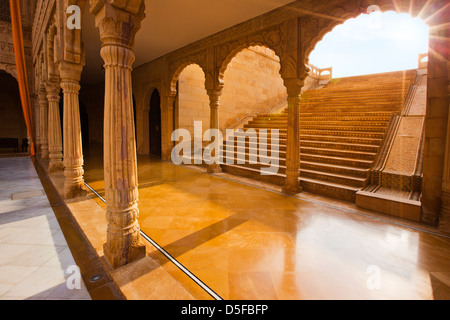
[(252, 85)]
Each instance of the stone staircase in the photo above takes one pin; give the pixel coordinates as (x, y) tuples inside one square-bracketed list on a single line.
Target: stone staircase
[(343, 126)]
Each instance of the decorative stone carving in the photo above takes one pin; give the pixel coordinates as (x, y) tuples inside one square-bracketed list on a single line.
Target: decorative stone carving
[(73, 152), (9, 68), (214, 103), (271, 38), (43, 122), (177, 67), (292, 183), (117, 30), (54, 128)]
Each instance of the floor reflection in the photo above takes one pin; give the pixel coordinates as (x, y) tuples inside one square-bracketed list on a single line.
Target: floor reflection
[(249, 243)]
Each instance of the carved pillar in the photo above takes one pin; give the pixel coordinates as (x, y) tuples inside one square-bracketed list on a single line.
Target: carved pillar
[(292, 183), (54, 128), (118, 23), (43, 122), (167, 115), (73, 152), (214, 103), (37, 126)]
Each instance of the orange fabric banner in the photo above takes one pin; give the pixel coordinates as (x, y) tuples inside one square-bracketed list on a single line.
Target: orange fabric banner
[(19, 52)]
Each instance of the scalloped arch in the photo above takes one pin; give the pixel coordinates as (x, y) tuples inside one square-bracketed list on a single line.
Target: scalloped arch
[(175, 75), (237, 49), (355, 11)]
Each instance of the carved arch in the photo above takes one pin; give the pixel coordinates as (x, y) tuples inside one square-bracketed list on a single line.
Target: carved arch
[(272, 39), (178, 67), (315, 27), (148, 94), (9, 69)]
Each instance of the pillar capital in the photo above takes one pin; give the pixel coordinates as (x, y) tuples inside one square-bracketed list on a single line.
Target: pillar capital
[(53, 89), (214, 97), (293, 86), (118, 20), (70, 72)]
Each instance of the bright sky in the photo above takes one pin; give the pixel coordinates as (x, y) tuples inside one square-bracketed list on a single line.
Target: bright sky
[(375, 43)]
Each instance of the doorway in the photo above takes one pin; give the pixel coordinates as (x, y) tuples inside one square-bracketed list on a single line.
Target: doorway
[(155, 124)]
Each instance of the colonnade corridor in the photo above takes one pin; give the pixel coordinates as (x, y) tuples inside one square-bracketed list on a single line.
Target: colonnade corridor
[(246, 242)]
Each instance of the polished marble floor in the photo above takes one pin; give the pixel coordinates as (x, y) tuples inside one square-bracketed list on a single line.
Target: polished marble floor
[(35, 259), (245, 242)]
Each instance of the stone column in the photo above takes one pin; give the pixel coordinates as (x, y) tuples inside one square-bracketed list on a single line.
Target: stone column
[(43, 121), (292, 184), (214, 103), (70, 74), (118, 24), (54, 128), (37, 126), (168, 125)]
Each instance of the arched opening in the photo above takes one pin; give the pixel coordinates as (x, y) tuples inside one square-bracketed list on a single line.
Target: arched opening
[(372, 43), (362, 126), (252, 85), (191, 109), (193, 101), (13, 129), (253, 105), (154, 122)]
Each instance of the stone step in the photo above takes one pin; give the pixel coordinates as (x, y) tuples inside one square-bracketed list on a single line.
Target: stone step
[(340, 146), (361, 134), (339, 153), (282, 134), (329, 128), (310, 122), (245, 156), (334, 178), (354, 98), (252, 173), (338, 169), (342, 108), (350, 172), (326, 115), (234, 140), (356, 140), (327, 152), (330, 189), (342, 161), (327, 188)]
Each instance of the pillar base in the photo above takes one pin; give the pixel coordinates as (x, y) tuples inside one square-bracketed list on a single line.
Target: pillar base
[(214, 168), (288, 189), (117, 259), (74, 190), (292, 182)]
